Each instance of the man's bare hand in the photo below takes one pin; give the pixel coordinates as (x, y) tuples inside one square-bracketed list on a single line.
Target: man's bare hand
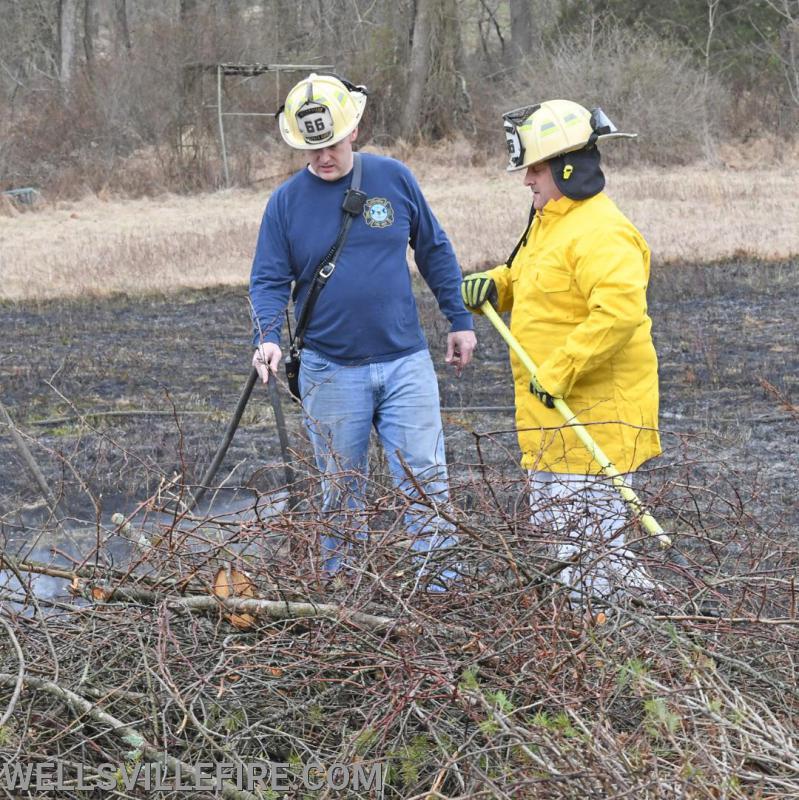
[(460, 346), (265, 360)]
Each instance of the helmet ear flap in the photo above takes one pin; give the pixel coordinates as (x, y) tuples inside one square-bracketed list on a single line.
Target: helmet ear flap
[(578, 174)]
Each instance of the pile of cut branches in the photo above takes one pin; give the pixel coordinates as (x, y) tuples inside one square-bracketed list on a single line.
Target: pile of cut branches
[(220, 645)]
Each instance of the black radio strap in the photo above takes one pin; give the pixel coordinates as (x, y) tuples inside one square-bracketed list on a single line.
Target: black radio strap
[(352, 206), (523, 240)]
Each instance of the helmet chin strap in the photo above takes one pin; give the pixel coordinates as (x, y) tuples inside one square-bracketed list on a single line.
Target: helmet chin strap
[(523, 240)]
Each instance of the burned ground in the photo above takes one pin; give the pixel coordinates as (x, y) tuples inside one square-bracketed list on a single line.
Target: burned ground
[(500, 687), (718, 330)]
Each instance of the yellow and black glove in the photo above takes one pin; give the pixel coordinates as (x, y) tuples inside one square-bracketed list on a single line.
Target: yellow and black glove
[(476, 289), (541, 393)]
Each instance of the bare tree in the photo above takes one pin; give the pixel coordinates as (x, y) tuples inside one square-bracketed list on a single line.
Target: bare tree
[(436, 74), (418, 68), (121, 24), (712, 21), (487, 23), (90, 31), (67, 24), (449, 111), (187, 8), (789, 57), (521, 31), (786, 50)]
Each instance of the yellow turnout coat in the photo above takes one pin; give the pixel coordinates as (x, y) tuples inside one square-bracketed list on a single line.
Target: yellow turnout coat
[(577, 291)]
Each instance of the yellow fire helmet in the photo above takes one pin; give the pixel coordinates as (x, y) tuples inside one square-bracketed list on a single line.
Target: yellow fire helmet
[(320, 111), (540, 132)]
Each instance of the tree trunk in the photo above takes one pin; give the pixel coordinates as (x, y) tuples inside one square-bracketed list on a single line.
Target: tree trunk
[(121, 24), (67, 23), (418, 69), (521, 31), (187, 8), (286, 30), (789, 56), (90, 31)]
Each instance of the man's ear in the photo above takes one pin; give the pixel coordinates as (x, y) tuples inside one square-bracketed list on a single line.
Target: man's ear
[(354, 134)]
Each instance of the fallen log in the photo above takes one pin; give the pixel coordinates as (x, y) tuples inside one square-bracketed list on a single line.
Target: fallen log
[(273, 609)]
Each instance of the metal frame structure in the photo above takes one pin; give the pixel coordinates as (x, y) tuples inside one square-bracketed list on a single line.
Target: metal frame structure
[(243, 72)]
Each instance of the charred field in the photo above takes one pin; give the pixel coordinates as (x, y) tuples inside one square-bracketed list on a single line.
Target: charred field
[(163, 374), (498, 688)]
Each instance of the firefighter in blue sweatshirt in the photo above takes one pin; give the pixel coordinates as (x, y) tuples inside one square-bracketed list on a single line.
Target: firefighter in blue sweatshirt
[(364, 361)]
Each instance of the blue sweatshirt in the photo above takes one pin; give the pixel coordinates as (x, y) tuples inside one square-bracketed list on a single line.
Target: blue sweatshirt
[(366, 312)]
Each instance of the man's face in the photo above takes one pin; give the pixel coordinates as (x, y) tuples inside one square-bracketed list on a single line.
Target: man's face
[(332, 163), (539, 178)]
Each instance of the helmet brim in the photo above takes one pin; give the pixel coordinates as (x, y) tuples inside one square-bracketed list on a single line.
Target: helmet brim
[(603, 137)]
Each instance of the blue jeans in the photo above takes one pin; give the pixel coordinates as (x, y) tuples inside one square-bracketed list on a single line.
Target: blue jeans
[(400, 399)]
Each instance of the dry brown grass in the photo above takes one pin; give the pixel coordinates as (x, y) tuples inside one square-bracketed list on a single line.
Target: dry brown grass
[(98, 246)]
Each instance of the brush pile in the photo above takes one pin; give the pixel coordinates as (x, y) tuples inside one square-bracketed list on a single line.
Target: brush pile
[(219, 647)]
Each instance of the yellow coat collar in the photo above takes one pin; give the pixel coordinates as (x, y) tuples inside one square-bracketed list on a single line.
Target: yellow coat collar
[(559, 207)]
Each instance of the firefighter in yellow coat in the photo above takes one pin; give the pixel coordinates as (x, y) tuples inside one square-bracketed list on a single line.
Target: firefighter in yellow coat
[(576, 285)]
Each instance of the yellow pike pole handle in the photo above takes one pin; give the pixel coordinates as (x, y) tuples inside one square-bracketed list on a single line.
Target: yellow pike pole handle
[(630, 497)]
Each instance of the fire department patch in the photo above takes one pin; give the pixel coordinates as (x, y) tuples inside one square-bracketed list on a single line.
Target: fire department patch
[(378, 212)]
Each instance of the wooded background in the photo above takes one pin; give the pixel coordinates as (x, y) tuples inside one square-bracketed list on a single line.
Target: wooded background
[(97, 88)]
